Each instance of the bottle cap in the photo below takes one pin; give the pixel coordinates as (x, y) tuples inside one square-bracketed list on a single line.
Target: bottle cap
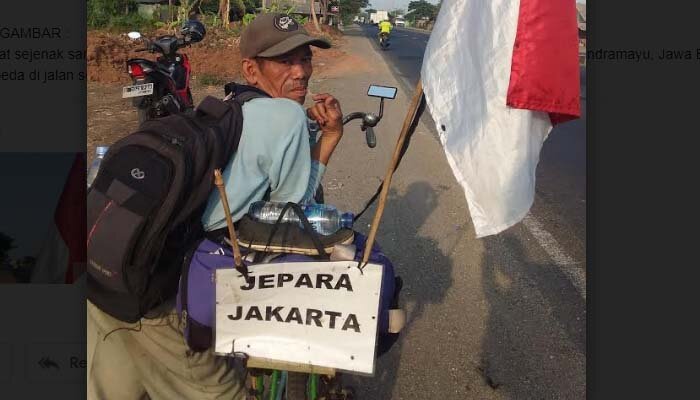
[(346, 219), (101, 150)]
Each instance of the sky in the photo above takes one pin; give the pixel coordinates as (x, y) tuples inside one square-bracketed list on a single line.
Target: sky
[(31, 185)]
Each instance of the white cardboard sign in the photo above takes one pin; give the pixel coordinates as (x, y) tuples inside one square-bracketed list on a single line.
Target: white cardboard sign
[(319, 313)]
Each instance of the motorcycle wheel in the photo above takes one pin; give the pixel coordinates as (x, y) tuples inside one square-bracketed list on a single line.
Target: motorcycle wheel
[(296, 386)]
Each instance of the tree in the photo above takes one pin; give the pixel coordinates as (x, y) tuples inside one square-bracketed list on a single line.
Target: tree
[(394, 13), (237, 10), (252, 5), (421, 9), (224, 12), (350, 8), (312, 5), (324, 11)]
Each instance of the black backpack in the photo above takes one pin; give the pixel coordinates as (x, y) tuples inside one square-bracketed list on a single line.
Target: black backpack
[(145, 206)]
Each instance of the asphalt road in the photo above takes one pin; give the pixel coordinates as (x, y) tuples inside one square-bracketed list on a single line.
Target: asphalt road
[(496, 318)]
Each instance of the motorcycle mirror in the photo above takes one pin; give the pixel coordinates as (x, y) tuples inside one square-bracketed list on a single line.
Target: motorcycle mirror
[(134, 35), (384, 92)]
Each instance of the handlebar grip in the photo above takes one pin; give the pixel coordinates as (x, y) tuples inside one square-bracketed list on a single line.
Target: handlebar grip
[(370, 137)]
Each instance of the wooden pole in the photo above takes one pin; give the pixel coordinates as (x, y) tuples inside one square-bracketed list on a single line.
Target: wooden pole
[(219, 182), (313, 14), (387, 179)]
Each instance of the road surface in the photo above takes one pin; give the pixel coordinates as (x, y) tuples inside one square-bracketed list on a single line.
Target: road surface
[(495, 318)]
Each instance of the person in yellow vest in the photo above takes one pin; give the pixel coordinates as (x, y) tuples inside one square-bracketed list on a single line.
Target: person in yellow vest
[(385, 29)]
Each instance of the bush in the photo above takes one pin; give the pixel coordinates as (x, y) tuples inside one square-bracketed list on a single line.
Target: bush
[(248, 18), (115, 14), (211, 20), (300, 20), (251, 6), (210, 79), (99, 12), (131, 21)]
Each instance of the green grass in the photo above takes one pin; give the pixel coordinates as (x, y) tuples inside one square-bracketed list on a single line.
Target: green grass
[(210, 79)]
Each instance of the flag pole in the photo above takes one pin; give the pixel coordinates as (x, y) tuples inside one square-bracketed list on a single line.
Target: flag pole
[(418, 94), (219, 182)]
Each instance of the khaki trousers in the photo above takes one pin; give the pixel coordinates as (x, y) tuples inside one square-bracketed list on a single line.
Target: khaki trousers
[(153, 362)]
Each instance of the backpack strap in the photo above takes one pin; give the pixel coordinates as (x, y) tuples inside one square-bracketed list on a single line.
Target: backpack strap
[(241, 94), (248, 95), (235, 89)]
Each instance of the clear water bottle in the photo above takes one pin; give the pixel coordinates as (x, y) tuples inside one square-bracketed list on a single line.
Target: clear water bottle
[(100, 152), (324, 218)]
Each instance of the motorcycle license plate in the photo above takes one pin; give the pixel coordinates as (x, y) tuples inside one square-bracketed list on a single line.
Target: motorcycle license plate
[(137, 90)]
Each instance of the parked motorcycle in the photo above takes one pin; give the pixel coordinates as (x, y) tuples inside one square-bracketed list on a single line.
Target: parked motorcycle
[(162, 87)]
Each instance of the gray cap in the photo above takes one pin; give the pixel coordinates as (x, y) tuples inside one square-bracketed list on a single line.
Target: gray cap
[(271, 35)]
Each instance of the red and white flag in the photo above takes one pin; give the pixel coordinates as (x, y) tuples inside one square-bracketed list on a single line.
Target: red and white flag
[(62, 256), (497, 74)]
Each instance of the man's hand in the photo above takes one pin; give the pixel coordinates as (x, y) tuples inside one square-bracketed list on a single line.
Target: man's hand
[(328, 114)]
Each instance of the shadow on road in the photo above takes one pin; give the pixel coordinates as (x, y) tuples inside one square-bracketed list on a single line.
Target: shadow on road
[(535, 341), (426, 273)]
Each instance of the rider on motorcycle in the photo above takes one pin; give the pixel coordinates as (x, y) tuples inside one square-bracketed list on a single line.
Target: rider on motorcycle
[(385, 28)]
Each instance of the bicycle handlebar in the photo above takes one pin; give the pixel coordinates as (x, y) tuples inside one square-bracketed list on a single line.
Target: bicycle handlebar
[(352, 116)]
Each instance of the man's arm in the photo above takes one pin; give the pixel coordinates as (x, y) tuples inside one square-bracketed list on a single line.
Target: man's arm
[(329, 116)]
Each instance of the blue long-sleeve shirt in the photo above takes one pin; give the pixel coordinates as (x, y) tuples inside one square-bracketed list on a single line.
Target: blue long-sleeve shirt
[(274, 152)]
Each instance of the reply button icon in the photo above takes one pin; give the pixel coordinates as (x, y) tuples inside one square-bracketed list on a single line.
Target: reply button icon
[(55, 362)]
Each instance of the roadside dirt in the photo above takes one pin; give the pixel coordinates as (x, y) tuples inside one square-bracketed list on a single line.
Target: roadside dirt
[(216, 59)]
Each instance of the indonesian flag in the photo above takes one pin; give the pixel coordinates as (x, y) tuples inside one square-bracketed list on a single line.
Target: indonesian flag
[(62, 256), (497, 74)]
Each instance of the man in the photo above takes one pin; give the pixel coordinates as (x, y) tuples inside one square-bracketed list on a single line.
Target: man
[(275, 156), (385, 28), (274, 152)]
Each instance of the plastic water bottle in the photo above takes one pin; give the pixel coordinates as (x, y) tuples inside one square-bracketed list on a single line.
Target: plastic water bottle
[(100, 152), (324, 218)]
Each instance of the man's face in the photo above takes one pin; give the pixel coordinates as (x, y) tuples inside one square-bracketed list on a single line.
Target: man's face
[(286, 75)]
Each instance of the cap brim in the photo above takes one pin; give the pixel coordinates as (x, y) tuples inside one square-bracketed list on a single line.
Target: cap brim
[(292, 43)]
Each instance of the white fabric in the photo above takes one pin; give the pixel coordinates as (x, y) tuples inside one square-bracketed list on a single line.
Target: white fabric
[(52, 261), (492, 149)]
